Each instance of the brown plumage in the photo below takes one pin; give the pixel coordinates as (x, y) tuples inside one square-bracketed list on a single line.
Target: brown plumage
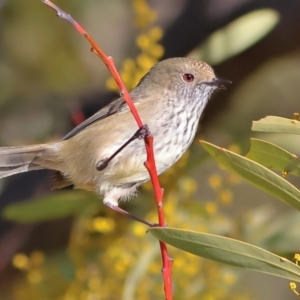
[(170, 100)]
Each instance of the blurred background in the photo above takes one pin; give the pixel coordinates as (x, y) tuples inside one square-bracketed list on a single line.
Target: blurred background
[(66, 245)]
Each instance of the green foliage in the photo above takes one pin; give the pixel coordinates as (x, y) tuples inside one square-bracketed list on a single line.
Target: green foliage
[(274, 157), (229, 251), (256, 174), (57, 205), (232, 40), (277, 124), (232, 251)]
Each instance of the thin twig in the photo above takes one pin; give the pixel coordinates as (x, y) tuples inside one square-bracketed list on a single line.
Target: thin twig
[(150, 163)]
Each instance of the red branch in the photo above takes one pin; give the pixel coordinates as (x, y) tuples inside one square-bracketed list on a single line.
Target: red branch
[(150, 163)]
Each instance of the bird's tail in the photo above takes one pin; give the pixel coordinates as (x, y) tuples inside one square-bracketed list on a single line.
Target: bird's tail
[(14, 160)]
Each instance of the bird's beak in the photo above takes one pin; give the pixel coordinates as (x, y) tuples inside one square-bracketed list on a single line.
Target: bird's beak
[(219, 82)]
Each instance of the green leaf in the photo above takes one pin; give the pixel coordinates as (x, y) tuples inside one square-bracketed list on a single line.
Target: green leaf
[(228, 251), (232, 40), (256, 174), (57, 205), (276, 124), (273, 156)]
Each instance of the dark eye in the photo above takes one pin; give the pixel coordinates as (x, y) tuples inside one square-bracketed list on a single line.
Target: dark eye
[(188, 77)]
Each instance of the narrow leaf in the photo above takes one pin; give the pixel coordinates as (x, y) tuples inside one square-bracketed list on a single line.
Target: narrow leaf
[(273, 156), (57, 205), (228, 251), (256, 174), (276, 124)]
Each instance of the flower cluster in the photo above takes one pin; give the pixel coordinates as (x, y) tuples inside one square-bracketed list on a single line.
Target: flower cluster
[(147, 41)]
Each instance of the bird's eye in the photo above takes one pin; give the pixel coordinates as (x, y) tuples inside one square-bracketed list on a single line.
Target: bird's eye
[(188, 78)]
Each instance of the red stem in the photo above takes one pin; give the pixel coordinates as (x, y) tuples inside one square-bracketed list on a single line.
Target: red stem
[(150, 163), (167, 261)]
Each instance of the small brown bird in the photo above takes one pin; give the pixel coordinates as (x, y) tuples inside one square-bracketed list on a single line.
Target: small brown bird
[(170, 99)]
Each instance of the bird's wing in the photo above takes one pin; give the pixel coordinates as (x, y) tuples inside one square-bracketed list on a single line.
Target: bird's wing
[(113, 108)]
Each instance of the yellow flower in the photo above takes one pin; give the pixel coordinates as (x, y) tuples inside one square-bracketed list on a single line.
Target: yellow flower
[(103, 225), (215, 181), (20, 261), (211, 207), (226, 196)]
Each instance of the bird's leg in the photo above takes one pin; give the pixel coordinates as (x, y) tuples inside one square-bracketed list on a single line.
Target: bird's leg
[(128, 215), (141, 133)]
